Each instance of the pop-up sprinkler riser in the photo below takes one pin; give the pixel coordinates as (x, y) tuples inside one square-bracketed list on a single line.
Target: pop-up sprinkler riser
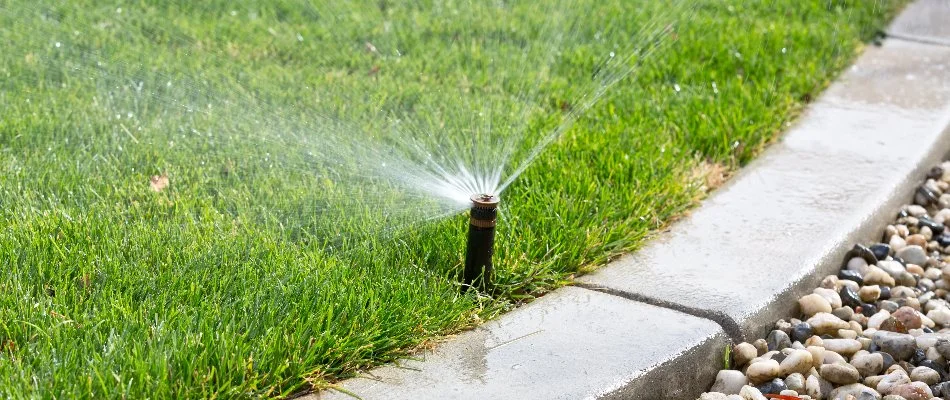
[(481, 242)]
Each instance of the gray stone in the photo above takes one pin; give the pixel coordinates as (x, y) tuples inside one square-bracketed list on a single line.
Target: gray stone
[(925, 375), (943, 347), (796, 382), (817, 388), (845, 313), (913, 255), (888, 305), (573, 343), (893, 268), (729, 381), (868, 364), (842, 374), (859, 391), (899, 345), (778, 340)]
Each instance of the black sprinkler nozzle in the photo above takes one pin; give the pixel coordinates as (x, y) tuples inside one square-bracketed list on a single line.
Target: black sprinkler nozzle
[(481, 243)]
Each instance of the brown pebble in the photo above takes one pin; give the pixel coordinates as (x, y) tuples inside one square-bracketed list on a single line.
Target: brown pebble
[(917, 240), (908, 317)]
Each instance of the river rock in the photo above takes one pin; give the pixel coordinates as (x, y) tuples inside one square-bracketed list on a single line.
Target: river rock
[(857, 264), (913, 391), (713, 396), (751, 393), (778, 340), (801, 332), (913, 254), (743, 353), (881, 251), (799, 361), (814, 303), (899, 345), (908, 316), (729, 381), (763, 371), (830, 295), (868, 364), (833, 358), (892, 380), (825, 323), (845, 347), (942, 390), (859, 391), (940, 316), (842, 374), (876, 320), (877, 276), (942, 345), (844, 313), (868, 293), (925, 375), (893, 268), (817, 388), (775, 386), (914, 240), (896, 242), (796, 381)]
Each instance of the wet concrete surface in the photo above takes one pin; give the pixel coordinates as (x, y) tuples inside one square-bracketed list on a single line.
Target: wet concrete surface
[(571, 344), (926, 21)]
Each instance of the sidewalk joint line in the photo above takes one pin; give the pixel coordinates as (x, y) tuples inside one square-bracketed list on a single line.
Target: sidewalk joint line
[(727, 323), (917, 39)]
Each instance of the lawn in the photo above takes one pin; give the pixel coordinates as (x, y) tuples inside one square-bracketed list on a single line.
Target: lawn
[(220, 199)]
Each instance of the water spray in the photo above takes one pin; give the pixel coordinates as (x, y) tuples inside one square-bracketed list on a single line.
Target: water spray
[(481, 242)]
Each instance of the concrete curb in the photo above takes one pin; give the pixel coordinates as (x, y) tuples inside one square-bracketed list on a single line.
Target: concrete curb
[(836, 178)]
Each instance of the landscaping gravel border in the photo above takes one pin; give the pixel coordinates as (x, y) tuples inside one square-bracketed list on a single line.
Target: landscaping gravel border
[(741, 260)]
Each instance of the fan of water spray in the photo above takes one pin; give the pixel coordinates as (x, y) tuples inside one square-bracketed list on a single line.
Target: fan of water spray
[(385, 131)]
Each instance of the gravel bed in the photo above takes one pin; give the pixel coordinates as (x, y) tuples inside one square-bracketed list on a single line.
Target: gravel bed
[(879, 329)]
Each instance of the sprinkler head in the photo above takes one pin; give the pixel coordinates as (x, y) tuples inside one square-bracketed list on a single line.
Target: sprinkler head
[(481, 242)]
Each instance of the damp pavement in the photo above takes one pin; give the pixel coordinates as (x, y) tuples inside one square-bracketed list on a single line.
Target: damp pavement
[(748, 255)]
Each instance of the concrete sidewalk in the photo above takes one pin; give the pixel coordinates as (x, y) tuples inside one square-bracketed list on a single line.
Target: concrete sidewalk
[(746, 254)]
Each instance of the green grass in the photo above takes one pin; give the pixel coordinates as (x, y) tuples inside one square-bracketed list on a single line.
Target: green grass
[(262, 269)]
